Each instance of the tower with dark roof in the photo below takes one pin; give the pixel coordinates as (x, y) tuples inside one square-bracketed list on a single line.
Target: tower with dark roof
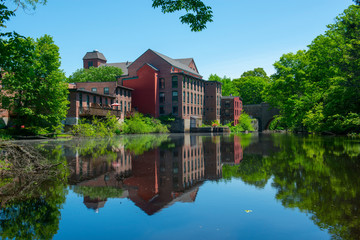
[(93, 59)]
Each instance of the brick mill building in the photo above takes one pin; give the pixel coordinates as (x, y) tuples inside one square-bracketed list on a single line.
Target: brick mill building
[(165, 86)]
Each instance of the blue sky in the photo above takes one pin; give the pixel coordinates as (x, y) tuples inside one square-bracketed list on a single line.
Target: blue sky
[(245, 34)]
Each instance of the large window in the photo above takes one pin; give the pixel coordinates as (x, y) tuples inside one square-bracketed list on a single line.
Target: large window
[(121, 106), (162, 111), (174, 82), (90, 64), (80, 99), (188, 97), (100, 100), (106, 101), (174, 96), (94, 89), (191, 98), (227, 104), (184, 82), (175, 110), (106, 90), (88, 100), (162, 83), (184, 96), (94, 99), (162, 97)]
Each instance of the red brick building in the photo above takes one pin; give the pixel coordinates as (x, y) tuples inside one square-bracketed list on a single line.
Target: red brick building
[(231, 108), (166, 86), (212, 101), (89, 99)]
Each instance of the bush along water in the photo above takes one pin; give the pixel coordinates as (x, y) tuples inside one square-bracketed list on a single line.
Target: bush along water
[(243, 125), (109, 126), (106, 127), (142, 124)]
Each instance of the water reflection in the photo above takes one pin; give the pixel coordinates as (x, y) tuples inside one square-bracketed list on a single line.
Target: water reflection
[(316, 175), (155, 179)]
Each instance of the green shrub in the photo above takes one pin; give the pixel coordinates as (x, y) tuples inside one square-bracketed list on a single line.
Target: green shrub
[(4, 135), (243, 125), (141, 124), (106, 127)]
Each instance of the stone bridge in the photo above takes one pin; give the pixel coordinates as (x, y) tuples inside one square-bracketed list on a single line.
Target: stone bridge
[(263, 112)]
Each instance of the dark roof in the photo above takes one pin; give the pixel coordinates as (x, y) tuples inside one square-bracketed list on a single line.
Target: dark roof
[(90, 92), (230, 97), (185, 61), (176, 63), (122, 65), (94, 55)]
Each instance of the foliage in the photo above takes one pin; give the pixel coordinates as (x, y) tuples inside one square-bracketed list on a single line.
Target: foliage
[(244, 124), (141, 124), (277, 123), (95, 74), (251, 86), (167, 119), (197, 16), (35, 88), (318, 90), (228, 88), (106, 127), (98, 192), (140, 144), (4, 135)]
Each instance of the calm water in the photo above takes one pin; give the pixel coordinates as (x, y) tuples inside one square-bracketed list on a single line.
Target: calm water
[(189, 187)]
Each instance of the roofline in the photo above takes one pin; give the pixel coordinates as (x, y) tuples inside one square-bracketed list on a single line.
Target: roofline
[(215, 81), (97, 82), (94, 93), (182, 69), (170, 63), (183, 73)]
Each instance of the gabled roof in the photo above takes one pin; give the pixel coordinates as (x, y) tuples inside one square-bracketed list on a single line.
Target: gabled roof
[(176, 63), (94, 55), (185, 61), (122, 65)]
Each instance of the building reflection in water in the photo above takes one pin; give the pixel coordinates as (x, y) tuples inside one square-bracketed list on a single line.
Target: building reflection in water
[(156, 179)]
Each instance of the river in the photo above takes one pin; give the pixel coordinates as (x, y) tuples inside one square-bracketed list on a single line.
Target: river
[(186, 186)]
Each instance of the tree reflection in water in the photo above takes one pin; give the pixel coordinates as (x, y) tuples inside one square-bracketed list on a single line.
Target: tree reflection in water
[(316, 175)]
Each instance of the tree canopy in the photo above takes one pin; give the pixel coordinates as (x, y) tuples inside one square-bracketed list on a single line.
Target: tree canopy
[(319, 89), (251, 85), (99, 74), (228, 87), (35, 87)]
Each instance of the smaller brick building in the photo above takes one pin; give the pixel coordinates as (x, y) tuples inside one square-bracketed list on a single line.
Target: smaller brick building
[(89, 99), (231, 108), (212, 102)]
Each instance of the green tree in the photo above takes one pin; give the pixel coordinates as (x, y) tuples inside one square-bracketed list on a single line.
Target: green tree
[(287, 89), (100, 74), (227, 87), (251, 85), (197, 13), (35, 88), (318, 90)]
